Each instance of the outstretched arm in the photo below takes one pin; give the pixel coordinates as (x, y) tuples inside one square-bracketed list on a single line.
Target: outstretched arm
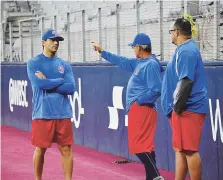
[(124, 63)]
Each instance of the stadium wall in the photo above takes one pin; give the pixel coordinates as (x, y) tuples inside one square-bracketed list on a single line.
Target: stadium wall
[(99, 118)]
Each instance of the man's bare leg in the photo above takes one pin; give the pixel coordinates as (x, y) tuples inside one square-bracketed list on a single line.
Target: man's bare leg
[(38, 161), (181, 166), (67, 161), (194, 165)]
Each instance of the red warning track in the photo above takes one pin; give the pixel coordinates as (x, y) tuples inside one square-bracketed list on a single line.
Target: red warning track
[(16, 162)]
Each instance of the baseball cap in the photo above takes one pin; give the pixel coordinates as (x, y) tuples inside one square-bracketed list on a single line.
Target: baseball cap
[(51, 34), (141, 39)]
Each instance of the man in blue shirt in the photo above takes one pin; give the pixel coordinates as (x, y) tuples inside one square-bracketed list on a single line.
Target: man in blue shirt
[(52, 81), (184, 100), (143, 89)]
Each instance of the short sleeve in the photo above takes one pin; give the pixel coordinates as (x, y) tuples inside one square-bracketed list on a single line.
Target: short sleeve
[(186, 63)]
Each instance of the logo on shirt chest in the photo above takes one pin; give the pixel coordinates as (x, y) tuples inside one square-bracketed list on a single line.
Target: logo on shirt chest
[(61, 69)]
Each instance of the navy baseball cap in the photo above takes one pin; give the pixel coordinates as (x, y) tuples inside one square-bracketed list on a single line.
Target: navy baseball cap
[(141, 39), (51, 34)]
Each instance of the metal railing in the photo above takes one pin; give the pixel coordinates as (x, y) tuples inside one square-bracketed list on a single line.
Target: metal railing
[(115, 25)]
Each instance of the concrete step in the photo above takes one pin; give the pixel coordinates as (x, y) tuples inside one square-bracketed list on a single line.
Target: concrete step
[(26, 24), (7, 40), (15, 36), (12, 19), (24, 29), (20, 14), (24, 34)]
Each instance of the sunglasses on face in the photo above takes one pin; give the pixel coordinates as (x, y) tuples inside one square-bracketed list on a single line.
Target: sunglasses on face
[(172, 30)]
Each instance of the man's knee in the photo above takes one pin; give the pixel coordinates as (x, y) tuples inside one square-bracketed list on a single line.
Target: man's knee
[(40, 151), (65, 150)]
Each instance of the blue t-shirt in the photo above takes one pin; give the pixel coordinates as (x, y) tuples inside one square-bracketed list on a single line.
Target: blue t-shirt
[(186, 62), (50, 96), (144, 85)]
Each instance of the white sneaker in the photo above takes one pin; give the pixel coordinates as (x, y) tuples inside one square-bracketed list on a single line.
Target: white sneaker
[(159, 178)]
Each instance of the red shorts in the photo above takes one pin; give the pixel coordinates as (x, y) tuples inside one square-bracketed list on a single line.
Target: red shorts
[(186, 130), (141, 128), (45, 132)]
